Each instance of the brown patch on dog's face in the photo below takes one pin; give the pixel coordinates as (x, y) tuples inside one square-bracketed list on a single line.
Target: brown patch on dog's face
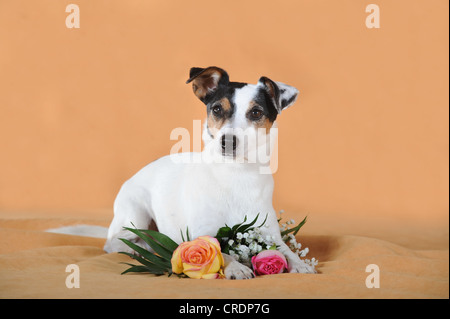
[(266, 124), (214, 124), (255, 114), (219, 113), (226, 105)]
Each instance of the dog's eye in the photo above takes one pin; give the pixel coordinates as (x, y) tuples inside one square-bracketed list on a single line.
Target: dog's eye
[(255, 114), (217, 109)]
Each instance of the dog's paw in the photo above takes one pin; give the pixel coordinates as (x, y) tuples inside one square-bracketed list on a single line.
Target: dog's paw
[(301, 267), (236, 270)]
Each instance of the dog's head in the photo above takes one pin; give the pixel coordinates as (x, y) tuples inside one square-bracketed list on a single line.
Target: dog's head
[(240, 116)]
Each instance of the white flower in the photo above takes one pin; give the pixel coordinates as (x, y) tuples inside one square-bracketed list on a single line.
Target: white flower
[(244, 249), (231, 242), (313, 262), (253, 248), (304, 252), (239, 235)]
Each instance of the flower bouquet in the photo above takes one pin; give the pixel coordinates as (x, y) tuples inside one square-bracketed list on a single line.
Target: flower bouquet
[(202, 257)]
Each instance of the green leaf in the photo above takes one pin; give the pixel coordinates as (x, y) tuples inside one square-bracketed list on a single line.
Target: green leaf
[(224, 232), (148, 255), (244, 228), (300, 225), (158, 248), (295, 229), (158, 263), (143, 261), (135, 268), (152, 268), (187, 234), (265, 219), (225, 249), (164, 240), (188, 237), (235, 227)]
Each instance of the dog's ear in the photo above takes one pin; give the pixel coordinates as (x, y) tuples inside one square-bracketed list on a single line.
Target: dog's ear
[(282, 95), (206, 81)]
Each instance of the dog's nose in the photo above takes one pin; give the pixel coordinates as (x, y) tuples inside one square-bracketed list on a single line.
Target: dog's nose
[(228, 142)]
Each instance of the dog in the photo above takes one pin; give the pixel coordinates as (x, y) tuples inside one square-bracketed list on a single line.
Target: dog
[(174, 192)]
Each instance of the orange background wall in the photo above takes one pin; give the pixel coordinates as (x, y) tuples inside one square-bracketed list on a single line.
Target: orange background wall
[(81, 110)]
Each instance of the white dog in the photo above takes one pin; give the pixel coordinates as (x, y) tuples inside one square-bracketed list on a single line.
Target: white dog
[(177, 191)]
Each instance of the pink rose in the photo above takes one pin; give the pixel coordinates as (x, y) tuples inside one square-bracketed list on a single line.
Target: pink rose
[(269, 262)]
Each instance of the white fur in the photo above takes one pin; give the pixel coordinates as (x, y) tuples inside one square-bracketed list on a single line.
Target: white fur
[(242, 99), (180, 194)]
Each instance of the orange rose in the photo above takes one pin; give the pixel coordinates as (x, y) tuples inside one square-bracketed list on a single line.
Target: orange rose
[(199, 258)]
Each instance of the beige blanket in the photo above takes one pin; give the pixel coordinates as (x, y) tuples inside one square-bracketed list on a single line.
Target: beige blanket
[(33, 265)]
